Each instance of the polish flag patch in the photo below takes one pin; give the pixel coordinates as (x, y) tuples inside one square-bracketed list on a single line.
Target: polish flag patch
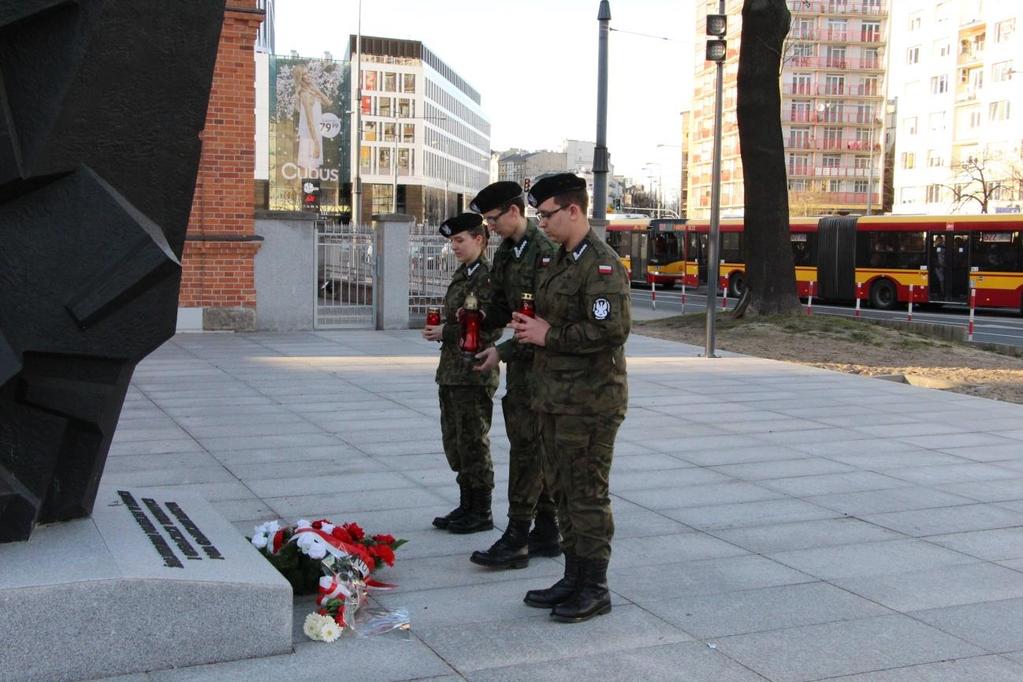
[(604, 269), (545, 261)]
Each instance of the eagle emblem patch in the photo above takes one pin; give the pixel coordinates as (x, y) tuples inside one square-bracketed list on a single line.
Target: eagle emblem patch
[(601, 309)]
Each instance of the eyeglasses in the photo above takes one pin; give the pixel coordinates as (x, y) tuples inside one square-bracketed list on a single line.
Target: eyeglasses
[(545, 215), (492, 220)]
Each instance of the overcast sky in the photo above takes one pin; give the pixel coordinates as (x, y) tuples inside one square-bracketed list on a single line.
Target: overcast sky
[(534, 63)]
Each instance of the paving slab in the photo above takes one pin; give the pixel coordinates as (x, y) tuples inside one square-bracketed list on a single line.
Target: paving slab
[(761, 507)]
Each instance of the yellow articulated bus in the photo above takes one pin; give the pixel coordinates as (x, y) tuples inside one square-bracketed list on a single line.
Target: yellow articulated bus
[(885, 260), (650, 250)]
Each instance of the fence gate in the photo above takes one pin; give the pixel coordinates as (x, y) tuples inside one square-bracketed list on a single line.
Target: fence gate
[(345, 274)]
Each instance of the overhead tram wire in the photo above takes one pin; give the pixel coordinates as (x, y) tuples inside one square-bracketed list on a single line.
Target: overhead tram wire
[(645, 35)]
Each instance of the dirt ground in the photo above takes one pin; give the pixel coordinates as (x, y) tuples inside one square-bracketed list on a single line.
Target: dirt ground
[(856, 347)]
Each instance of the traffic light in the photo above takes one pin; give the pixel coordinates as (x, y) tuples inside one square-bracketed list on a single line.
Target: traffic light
[(311, 195)]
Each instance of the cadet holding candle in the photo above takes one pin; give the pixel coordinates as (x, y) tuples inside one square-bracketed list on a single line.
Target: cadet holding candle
[(466, 396), (523, 254)]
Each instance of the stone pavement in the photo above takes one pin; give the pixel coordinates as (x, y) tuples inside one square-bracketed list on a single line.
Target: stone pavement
[(773, 521)]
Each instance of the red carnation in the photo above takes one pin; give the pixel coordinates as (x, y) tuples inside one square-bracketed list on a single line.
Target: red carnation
[(341, 534), (384, 539), (356, 532), (384, 553)]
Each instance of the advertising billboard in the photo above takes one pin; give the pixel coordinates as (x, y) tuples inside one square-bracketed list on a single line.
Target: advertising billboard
[(306, 116)]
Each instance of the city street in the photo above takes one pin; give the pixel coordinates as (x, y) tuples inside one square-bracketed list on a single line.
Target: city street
[(990, 326)]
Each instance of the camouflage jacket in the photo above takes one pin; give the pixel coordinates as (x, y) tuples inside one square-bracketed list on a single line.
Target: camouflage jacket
[(584, 296), (454, 369), (516, 271)]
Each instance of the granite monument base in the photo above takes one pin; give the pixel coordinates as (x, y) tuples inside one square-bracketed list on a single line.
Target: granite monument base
[(153, 580)]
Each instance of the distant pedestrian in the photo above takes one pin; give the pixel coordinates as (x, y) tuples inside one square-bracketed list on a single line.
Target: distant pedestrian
[(518, 261), (583, 317), (466, 396)]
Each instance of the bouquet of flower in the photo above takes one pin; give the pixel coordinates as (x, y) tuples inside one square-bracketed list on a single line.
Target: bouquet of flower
[(298, 550)]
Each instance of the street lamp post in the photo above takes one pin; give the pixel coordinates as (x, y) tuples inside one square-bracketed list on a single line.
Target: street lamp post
[(600, 156), (717, 51), (357, 163)]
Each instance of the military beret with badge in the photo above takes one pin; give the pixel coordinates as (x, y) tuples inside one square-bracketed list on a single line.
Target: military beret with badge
[(495, 195), (460, 223), (552, 186)]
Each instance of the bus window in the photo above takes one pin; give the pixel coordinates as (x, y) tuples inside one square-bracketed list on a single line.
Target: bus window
[(898, 250), (804, 251), (731, 247), (614, 240), (665, 248), (996, 251)]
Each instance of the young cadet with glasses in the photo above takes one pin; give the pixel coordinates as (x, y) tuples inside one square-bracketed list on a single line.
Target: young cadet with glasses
[(523, 253), (583, 317), (466, 396)]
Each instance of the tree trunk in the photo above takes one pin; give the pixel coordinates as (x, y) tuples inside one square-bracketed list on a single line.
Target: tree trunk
[(770, 273)]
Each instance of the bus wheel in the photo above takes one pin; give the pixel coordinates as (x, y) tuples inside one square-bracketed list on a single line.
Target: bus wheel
[(736, 285), (670, 284), (883, 295)]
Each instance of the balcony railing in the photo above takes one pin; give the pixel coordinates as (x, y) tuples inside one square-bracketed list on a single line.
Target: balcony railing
[(836, 63), (806, 170), (817, 7), (855, 117), (832, 145), (825, 35)]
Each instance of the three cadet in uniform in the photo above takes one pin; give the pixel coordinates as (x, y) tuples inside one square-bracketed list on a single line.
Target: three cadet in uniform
[(466, 395), (518, 261), (583, 317)]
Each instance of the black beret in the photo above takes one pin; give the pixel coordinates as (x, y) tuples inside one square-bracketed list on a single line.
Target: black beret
[(460, 223), (553, 185), (495, 195)]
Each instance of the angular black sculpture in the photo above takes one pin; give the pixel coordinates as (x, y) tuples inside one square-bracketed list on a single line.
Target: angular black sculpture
[(101, 106)]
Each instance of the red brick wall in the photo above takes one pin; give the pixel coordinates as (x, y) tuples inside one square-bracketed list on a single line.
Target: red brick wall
[(220, 246)]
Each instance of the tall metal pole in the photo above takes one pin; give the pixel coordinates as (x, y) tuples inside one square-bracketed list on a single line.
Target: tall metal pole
[(600, 160), (713, 265), (357, 140)]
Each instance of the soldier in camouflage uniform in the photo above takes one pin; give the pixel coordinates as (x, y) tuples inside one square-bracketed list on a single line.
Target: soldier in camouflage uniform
[(583, 317), (466, 396), (523, 253)]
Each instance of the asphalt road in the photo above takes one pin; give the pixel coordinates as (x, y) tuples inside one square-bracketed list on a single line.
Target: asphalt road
[(990, 326)]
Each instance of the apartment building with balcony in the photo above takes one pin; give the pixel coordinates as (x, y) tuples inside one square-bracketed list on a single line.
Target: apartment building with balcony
[(833, 95), (958, 147)]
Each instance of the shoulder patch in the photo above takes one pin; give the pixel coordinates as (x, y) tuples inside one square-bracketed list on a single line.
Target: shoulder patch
[(604, 269), (545, 261), (601, 309)]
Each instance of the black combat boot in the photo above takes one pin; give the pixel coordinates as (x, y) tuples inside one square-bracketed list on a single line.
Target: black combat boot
[(559, 591), (464, 491), (510, 551), (478, 517), (544, 539), (591, 599)]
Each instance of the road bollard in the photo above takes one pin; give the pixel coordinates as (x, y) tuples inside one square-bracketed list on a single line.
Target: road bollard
[(909, 314), (973, 305), (858, 292)]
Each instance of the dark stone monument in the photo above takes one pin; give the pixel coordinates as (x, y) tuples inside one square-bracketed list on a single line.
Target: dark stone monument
[(101, 106)]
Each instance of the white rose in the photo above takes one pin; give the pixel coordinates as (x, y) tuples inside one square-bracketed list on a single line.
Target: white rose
[(259, 541), (327, 528), (326, 582), (317, 551), (303, 523), (330, 631)]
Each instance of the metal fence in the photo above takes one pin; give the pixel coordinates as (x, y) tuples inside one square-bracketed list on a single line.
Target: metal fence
[(345, 272), (431, 266)]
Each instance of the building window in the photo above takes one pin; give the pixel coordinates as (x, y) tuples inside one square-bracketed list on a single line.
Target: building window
[(802, 84), (861, 162), (860, 186), (836, 58), (832, 160), (1001, 71), (834, 186), (913, 55), (834, 84), (936, 121), (1004, 30), (941, 48), (908, 160), (408, 82), (939, 84), (909, 125), (933, 194), (998, 111), (799, 138), (934, 159), (832, 138), (390, 82), (837, 29), (914, 22), (870, 32), (975, 118), (800, 110)]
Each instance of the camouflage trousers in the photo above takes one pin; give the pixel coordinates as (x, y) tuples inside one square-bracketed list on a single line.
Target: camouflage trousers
[(465, 415), (527, 493), (578, 450)]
